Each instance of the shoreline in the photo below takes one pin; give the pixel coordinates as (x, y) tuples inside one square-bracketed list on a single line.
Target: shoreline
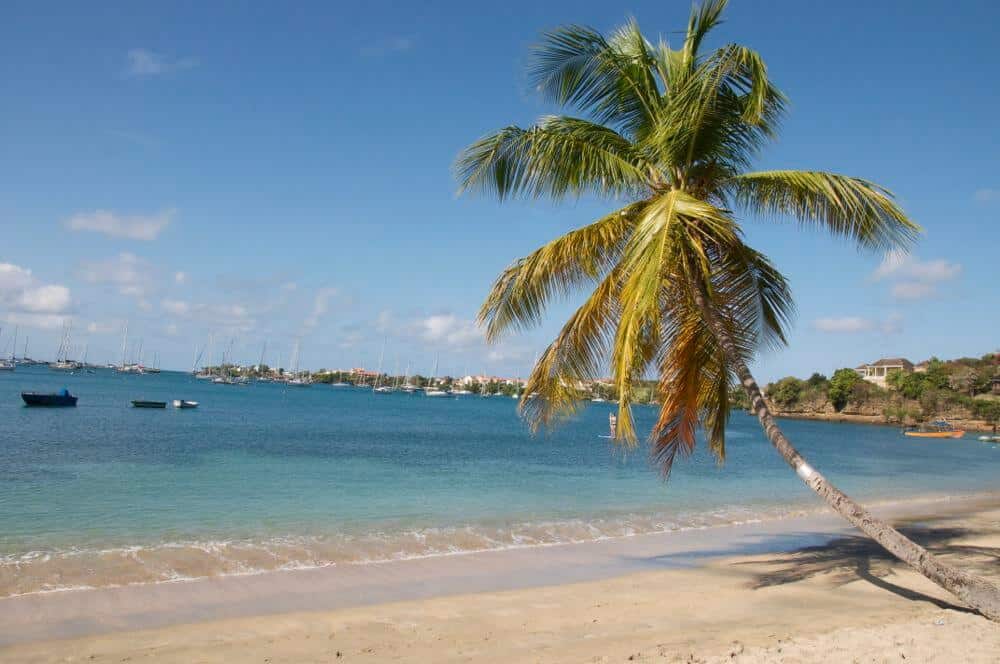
[(164, 606), (808, 592), (977, 426)]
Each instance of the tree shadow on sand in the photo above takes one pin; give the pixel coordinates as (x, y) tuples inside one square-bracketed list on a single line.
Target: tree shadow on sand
[(853, 558)]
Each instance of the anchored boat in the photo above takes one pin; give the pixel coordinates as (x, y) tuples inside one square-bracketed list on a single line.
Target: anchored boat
[(181, 403), (61, 398), (938, 429), (139, 403)]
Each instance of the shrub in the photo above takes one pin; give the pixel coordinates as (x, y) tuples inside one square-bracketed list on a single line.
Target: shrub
[(842, 387)]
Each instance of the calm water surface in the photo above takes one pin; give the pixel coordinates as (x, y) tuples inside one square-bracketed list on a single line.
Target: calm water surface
[(267, 477)]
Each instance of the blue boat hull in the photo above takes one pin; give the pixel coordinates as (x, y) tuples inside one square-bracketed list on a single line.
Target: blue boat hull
[(35, 399)]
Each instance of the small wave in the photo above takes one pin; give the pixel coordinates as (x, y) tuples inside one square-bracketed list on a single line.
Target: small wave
[(48, 571)]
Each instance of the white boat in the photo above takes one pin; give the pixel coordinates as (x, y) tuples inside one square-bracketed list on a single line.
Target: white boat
[(182, 403), (990, 439), (376, 388), (341, 384), (436, 393), (11, 364)]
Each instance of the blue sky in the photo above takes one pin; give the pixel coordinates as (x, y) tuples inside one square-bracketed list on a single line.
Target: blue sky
[(283, 171)]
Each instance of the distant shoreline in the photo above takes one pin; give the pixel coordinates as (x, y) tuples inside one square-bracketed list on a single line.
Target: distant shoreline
[(967, 425)]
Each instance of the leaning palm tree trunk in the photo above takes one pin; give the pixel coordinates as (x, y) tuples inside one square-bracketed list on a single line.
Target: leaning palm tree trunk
[(975, 591)]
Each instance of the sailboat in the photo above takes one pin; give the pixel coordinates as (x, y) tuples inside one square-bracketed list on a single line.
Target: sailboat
[(204, 374), (297, 380), (376, 387), (431, 390), (6, 365), (63, 363), (125, 367)]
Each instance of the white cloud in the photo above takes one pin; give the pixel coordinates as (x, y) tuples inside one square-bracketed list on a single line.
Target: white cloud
[(847, 324), (321, 305), (915, 278), (180, 277), (987, 195), (129, 274), (175, 307), (134, 227), (893, 324), (143, 63), (98, 327), (43, 321), (22, 293), (45, 299), (912, 290), (900, 265), (171, 330), (449, 329)]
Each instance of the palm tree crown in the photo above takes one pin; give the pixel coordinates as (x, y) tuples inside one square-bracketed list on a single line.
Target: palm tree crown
[(675, 132)]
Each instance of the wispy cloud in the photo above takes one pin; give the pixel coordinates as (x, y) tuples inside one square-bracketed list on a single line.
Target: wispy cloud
[(913, 278), (386, 46), (893, 324), (321, 305), (127, 273), (846, 324), (144, 63), (132, 227), (987, 195), (228, 317), (449, 330)]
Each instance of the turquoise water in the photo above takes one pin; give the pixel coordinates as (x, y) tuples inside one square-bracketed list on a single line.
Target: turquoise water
[(265, 477)]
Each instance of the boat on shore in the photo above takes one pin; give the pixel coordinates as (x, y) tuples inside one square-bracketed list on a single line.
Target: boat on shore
[(61, 398), (182, 404), (937, 429), (141, 403)]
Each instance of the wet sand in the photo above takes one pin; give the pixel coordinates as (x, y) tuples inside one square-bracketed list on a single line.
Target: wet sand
[(739, 593)]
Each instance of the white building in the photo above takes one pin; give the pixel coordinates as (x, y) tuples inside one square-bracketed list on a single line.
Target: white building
[(877, 371)]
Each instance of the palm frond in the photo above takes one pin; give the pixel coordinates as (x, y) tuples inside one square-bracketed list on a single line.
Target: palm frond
[(606, 79), (554, 388), (558, 156), (520, 294), (846, 206), (702, 20)]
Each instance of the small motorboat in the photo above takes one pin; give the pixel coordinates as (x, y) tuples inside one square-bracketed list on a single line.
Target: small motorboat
[(938, 429), (140, 403), (181, 403), (61, 398), (990, 439)]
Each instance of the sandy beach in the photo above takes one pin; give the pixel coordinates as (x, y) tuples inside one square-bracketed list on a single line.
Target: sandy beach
[(673, 597)]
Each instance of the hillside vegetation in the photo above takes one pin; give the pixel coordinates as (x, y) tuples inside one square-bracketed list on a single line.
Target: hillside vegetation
[(959, 390)]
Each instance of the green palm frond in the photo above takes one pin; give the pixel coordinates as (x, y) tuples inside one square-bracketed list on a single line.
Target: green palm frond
[(554, 388), (519, 296), (702, 20), (558, 156), (846, 206), (606, 79)]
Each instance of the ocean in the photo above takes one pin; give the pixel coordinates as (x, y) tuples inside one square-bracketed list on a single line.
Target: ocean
[(266, 477)]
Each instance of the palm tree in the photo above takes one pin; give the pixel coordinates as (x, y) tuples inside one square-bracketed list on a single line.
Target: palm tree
[(673, 287)]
